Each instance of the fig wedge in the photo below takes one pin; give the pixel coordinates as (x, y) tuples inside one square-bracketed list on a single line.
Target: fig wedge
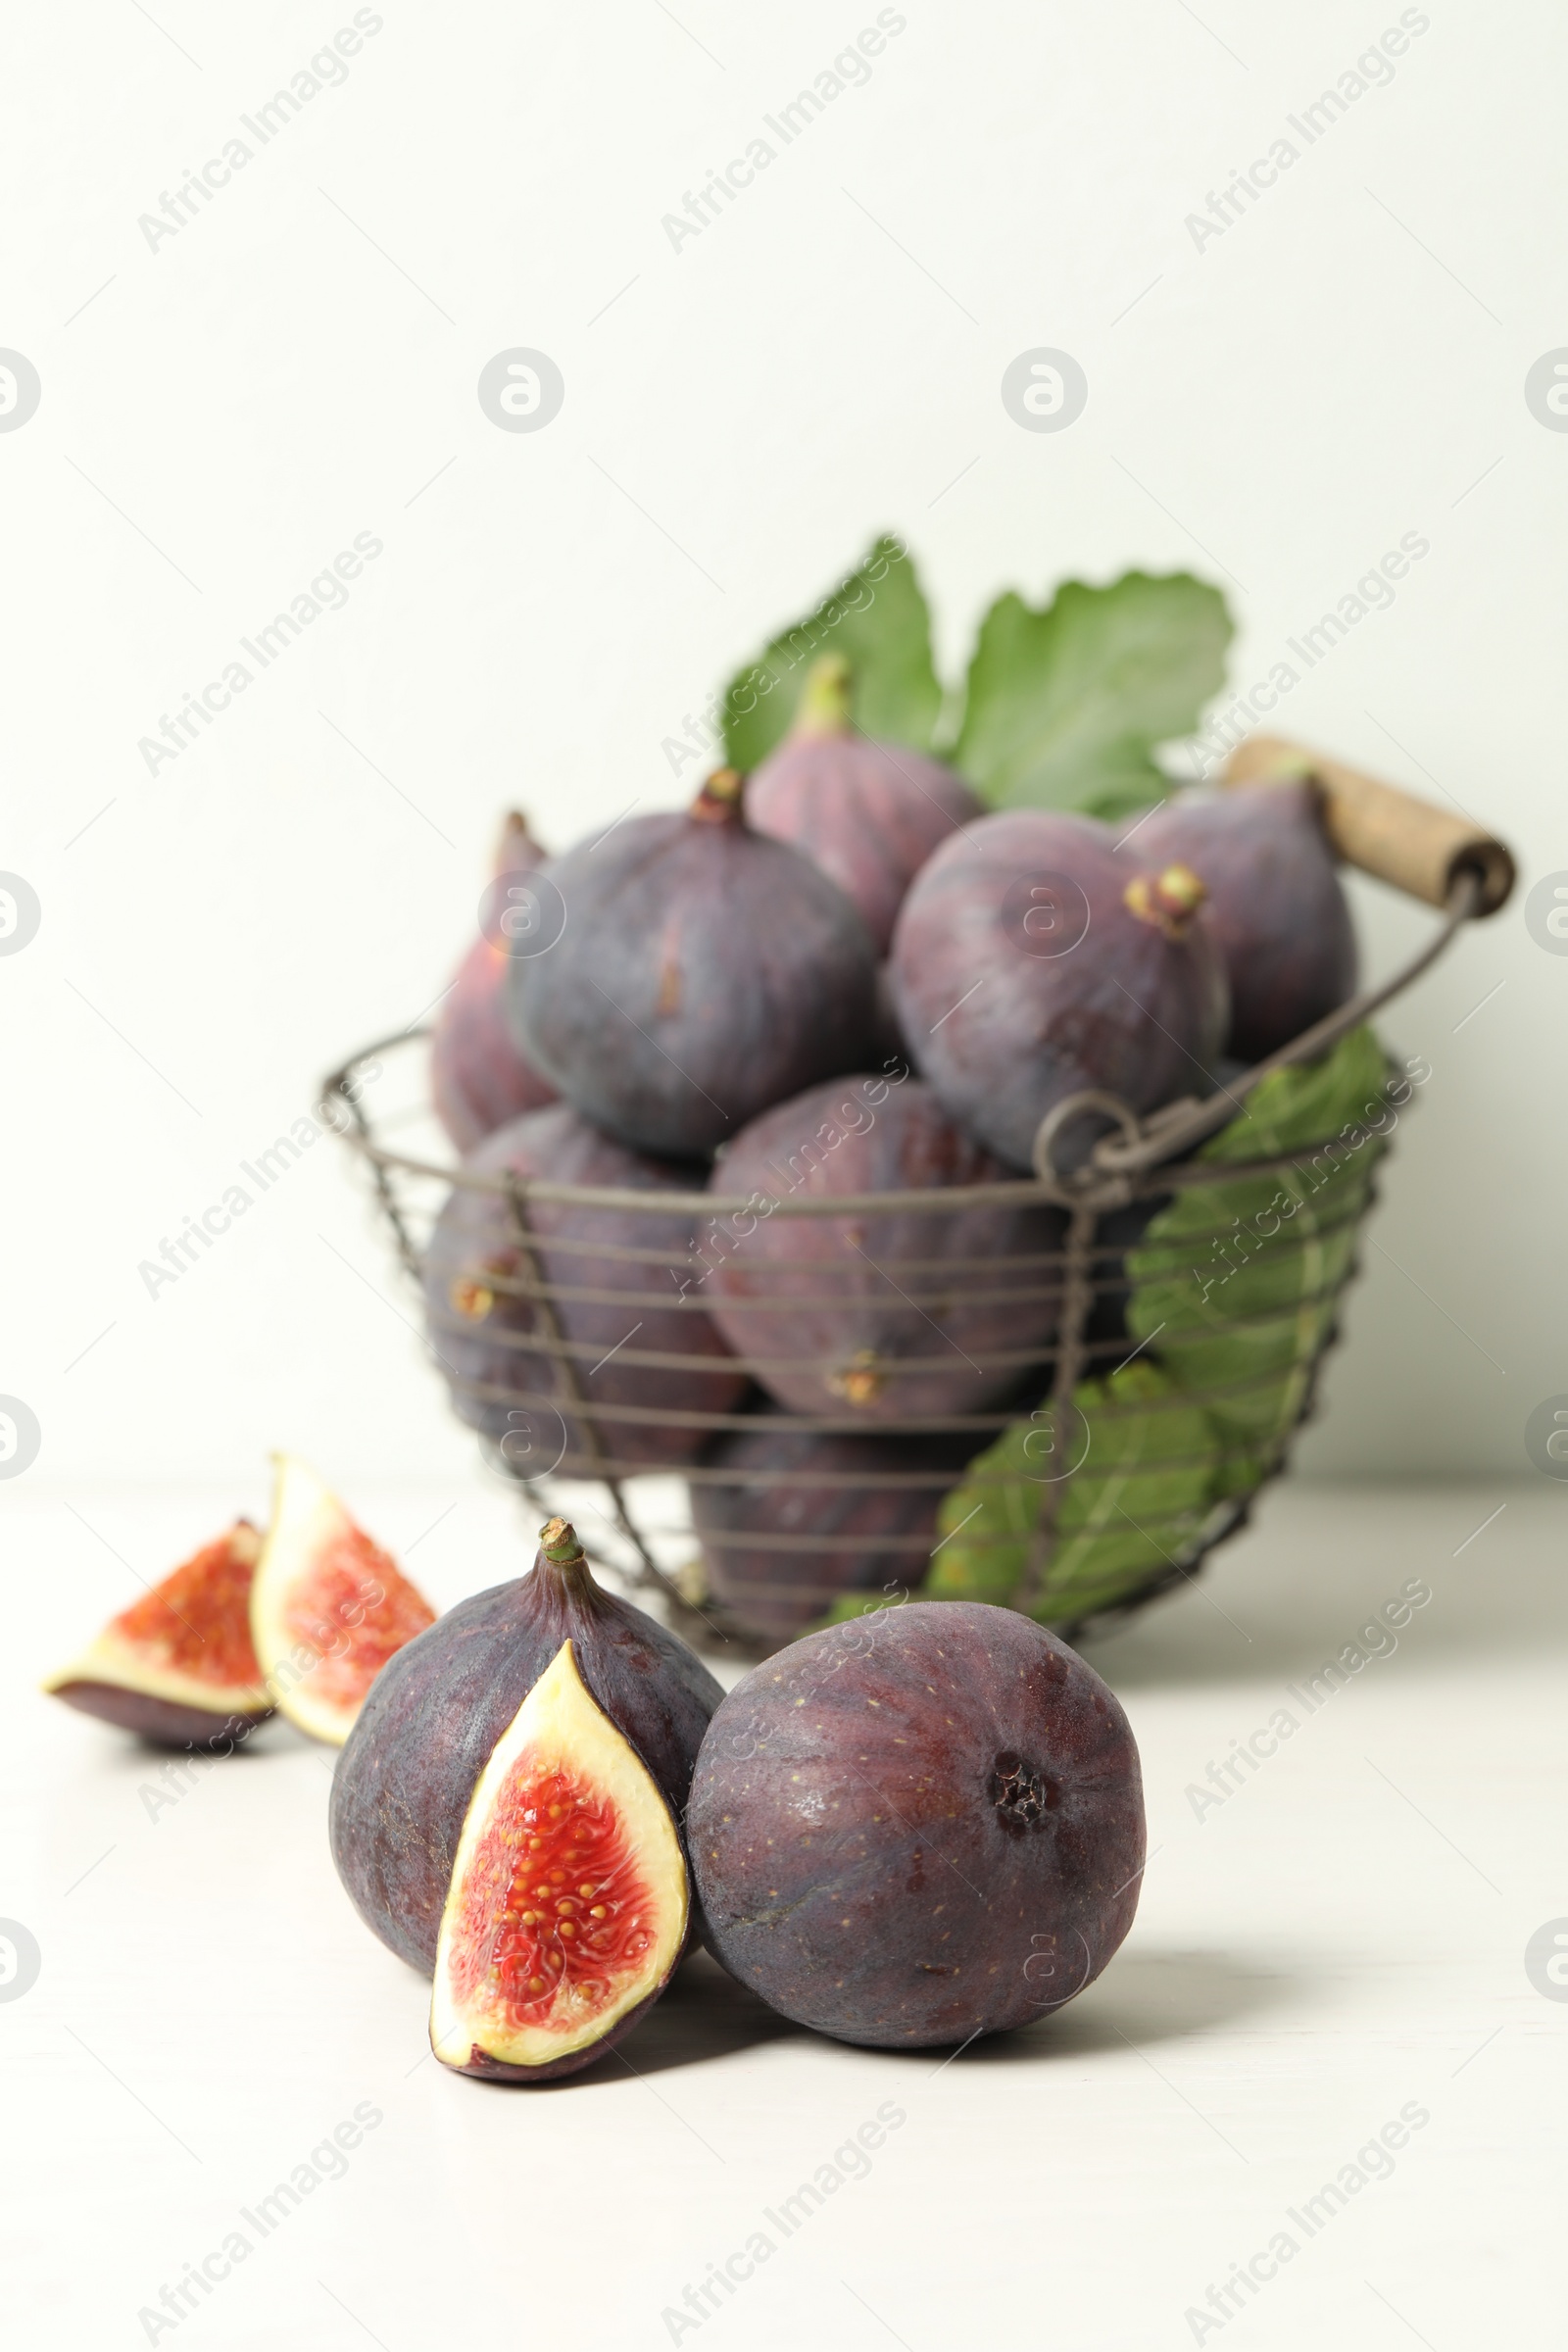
[(178, 1668), (328, 1606), (569, 1899)]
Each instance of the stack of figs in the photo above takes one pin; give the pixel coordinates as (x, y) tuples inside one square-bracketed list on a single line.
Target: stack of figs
[(743, 1092), (725, 1028), (903, 1832)]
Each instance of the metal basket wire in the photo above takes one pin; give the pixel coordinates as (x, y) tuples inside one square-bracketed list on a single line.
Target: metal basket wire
[(1141, 1162)]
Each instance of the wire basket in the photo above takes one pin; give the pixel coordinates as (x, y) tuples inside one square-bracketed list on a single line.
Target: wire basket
[(1151, 1392)]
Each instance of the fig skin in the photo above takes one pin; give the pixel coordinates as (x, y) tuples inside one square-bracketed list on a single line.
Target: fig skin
[(918, 1828), (773, 1592), (888, 1047), (404, 1781), (860, 1310), (162, 1722), (1139, 1007), (1275, 906), (705, 973), (469, 1323), (868, 814), (478, 1079)]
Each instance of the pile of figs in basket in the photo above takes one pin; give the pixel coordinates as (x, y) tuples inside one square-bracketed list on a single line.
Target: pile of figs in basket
[(840, 976)]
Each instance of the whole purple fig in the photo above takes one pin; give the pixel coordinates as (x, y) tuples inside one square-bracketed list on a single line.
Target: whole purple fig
[(1274, 904), (890, 1313), (801, 1517), (484, 1328), (868, 814), (705, 971), (918, 1828), (1031, 963), (478, 1080)]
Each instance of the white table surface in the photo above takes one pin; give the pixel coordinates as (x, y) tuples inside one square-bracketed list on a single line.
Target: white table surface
[(1340, 1940)]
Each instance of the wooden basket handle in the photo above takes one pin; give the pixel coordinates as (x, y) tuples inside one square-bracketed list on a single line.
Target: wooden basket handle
[(1408, 842)]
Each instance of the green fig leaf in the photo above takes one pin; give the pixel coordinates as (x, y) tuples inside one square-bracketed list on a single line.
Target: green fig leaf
[(1238, 1284), (1294, 1108), (1135, 1504), (878, 620), (1065, 705)]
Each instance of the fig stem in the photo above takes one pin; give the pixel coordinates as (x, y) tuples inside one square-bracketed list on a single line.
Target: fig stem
[(1168, 900), (721, 798), (559, 1539), (824, 706)]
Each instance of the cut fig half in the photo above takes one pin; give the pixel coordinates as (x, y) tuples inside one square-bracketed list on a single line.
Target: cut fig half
[(404, 1782), (568, 1901), (328, 1606), (178, 1667)]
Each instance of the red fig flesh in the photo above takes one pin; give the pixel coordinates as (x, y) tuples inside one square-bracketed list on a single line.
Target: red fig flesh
[(705, 971), (178, 1667), (868, 814), (478, 1079), (568, 1901), (328, 1606), (404, 1781)]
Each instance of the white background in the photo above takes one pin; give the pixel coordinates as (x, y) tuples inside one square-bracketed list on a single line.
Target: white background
[(1275, 412), (219, 419)]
